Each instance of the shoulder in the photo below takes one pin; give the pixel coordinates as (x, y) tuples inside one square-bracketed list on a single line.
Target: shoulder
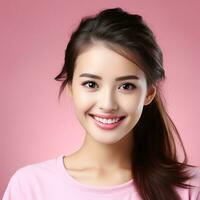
[(27, 181), (194, 192), (41, 168), (31, 177), (195, 176)]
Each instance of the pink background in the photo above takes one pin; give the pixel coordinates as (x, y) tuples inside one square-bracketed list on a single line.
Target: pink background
[(34, 34)]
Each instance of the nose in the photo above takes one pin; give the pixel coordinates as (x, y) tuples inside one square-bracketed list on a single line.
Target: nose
[(107, 101)]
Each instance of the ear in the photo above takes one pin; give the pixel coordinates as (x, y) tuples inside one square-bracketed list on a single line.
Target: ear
[(151, 92)]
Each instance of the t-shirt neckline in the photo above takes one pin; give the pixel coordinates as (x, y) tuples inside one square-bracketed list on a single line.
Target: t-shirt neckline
[(126, 187)]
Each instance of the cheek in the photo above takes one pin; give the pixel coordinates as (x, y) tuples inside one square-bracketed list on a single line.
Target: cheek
[(134, 103), (83, 100)]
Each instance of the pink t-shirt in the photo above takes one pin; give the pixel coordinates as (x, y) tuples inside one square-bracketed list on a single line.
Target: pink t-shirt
[(49, 180)]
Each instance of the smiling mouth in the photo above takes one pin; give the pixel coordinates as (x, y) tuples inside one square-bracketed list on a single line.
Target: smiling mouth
[(107, 123), (107, 119)]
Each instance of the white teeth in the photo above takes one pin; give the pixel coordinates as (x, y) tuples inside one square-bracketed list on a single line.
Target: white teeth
[(107, 121)]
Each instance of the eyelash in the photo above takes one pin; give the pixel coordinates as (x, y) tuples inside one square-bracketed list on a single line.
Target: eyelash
[(132, 85)]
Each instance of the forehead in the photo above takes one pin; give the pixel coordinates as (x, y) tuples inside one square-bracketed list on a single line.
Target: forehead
[(101, 60)]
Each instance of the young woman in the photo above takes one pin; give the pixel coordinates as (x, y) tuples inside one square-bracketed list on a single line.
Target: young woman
[(112, 71)]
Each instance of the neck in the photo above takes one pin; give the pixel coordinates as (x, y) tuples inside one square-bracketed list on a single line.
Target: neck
[(107, 156)]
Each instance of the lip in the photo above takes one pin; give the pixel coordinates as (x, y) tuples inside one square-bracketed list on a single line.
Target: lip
[(106, 116)]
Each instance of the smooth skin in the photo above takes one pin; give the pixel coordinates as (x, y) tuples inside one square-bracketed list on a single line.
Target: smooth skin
[(104, 157)]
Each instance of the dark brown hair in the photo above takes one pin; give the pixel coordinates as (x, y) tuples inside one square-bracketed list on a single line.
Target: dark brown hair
[(155, 166)]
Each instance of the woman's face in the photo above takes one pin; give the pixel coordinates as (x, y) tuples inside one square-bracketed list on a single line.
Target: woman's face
[(107, 84)]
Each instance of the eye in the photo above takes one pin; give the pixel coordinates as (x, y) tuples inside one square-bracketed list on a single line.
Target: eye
[(89, 84), (128, 86)]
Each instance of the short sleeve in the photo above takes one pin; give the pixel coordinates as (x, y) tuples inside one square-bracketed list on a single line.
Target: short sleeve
[(18, 187), (14, 189)]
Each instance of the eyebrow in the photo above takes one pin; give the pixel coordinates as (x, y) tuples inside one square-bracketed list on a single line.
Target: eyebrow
[(121, 78)]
